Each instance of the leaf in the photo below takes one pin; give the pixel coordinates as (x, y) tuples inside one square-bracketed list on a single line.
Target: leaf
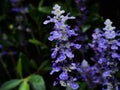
[(40, 3), (24, 64), (24, 86), (46, 10), (33, 12), (33, 64), (36, 42), (85, 27), (10, 84), (37, 82), (44, 64), (19, 66)]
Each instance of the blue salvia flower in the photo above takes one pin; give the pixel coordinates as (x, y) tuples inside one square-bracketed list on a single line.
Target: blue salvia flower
[(106, 45), (62, 54)]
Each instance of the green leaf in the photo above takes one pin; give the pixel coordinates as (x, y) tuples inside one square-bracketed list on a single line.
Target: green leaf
[(24, 86), (46, 10), (33, 12), (36, 42), (33, 64), (37, 82), (25, 63), (10, 84), (44, 64), (19, 66), (85, 27), (40, 3)]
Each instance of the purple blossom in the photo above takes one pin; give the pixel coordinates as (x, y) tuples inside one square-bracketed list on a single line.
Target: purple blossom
[(106, 45), (63, 76), (62, 54), (55, 35), (61, 57), (74, 86)]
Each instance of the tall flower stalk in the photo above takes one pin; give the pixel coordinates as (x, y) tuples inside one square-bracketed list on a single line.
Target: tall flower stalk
[(62, 53), (106, 45)]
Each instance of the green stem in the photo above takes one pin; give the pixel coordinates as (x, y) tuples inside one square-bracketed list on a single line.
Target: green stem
[(5, 67)]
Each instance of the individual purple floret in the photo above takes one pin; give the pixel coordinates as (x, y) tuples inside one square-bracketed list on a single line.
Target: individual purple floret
[(106, 45), (62, 53)]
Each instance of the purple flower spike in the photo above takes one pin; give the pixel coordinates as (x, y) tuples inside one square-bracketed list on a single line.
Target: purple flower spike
[(63, 52), (106, 45)]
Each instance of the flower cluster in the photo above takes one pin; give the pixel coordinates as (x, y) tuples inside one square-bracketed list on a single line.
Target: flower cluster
[(106, 45), (62, 55)]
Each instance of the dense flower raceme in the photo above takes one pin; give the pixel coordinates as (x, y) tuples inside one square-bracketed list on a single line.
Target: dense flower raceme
[(62, 54), (106, 45)]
